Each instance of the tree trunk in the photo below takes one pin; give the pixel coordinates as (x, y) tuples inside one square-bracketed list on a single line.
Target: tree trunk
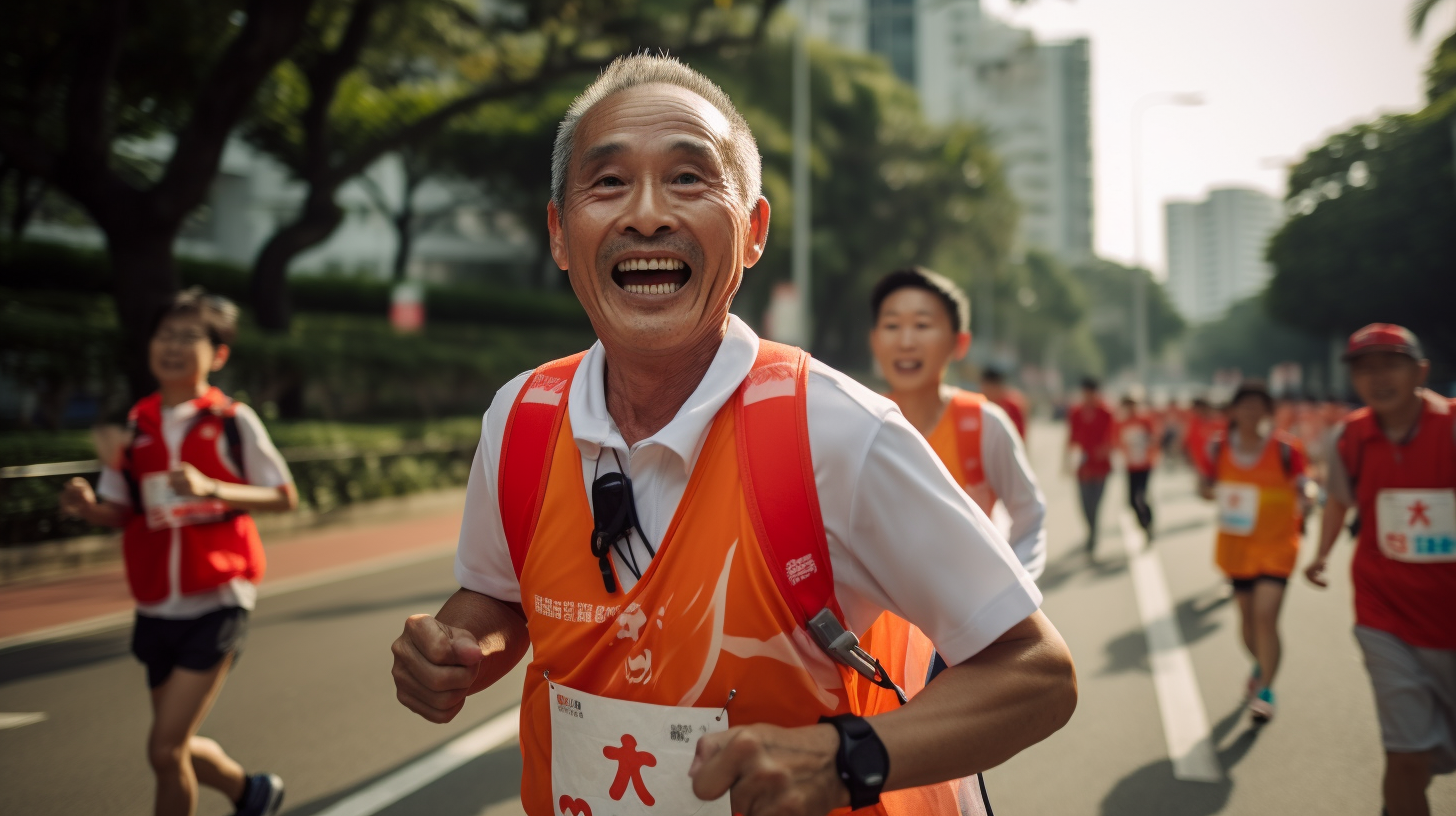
[(144, 280), (404, 228), (315, 223)]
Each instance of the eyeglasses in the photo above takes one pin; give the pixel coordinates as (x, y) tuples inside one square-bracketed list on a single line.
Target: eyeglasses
[(614, 517)]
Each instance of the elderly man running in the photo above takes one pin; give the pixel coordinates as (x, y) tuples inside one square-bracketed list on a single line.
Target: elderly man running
[(686, 524)]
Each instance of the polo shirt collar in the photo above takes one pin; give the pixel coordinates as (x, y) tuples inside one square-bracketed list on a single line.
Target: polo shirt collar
[(593, 428)]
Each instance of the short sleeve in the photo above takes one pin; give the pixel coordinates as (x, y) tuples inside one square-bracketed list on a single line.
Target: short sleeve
[(263, 465), (112, 487), (1010, 475), (903, 536), (483, 558), (1337, 479)]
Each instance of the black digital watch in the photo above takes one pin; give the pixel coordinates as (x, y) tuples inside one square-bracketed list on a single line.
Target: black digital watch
[(862, 761)]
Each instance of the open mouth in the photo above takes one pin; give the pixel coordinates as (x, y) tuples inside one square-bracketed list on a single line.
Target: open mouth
[(651, 276), (908, 366)]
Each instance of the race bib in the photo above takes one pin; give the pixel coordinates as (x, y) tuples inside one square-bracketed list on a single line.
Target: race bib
[(165, 508), (1417, 526), (618, 758), (1238, 507)]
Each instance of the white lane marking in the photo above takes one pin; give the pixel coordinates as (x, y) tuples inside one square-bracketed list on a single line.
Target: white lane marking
[(16, 720), (113, 620), (486, 737), (1185, 722)]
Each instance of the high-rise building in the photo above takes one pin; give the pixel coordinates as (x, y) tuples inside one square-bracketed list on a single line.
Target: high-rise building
[(1032, 98), (1216, 249)]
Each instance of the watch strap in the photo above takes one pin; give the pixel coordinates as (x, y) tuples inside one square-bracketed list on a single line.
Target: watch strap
[(862, 762)]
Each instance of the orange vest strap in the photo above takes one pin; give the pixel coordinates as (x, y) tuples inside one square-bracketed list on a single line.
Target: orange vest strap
[(778, 479), (526, 450), (965, 414)]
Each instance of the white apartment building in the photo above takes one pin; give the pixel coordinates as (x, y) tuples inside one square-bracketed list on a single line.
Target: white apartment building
[(1216, 249), (1033, 99)]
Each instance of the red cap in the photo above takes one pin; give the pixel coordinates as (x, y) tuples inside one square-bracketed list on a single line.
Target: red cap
[(1384, 337)]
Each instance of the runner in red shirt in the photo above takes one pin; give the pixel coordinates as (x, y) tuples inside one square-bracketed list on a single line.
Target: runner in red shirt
[(1137, 439), (1395, 461), (1012, 401), (1089, 443), (1204, 423)]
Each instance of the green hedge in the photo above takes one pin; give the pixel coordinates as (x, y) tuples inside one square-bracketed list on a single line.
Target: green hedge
[(36, 266)]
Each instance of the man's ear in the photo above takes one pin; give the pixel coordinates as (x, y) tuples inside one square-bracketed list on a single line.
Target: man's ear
[(757, 235), (1425, 366), (220, 355), (962, 345), (558, 235)]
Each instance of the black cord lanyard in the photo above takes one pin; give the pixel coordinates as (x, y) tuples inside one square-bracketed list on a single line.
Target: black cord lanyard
[(614, 517)]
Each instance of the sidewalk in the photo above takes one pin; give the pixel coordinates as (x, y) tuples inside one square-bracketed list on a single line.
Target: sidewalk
[(37, 611)]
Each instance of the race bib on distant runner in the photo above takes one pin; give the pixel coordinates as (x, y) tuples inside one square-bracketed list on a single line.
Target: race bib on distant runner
[(1417, 526), (618, 758), (165, 508), (1238, 507), (1136, 442)]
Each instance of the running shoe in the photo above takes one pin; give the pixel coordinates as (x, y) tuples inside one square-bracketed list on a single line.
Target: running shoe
[(1261, 707), (263, 796), (1252, 686)]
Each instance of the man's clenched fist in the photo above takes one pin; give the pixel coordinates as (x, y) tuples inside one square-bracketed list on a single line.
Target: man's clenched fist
[(434, 667), (771, 771)]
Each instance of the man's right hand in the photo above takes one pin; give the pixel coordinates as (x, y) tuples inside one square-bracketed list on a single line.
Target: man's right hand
[(434, 667)]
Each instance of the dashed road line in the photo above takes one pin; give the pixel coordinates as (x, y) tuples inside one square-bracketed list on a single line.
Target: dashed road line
[(488, 736), (19, 719), (1185, 721)]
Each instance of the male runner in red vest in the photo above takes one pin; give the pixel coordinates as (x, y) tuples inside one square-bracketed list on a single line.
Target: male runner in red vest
[(196, 465), (1091, 439), (1011, 400), (1395, 462), (656, 211)]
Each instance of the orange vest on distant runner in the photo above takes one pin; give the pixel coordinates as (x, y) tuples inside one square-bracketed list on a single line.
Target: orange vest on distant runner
[(956, 439), (1272, 546), (719, 609)]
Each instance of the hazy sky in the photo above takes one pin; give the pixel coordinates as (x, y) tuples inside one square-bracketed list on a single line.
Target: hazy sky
[(1278, 77)]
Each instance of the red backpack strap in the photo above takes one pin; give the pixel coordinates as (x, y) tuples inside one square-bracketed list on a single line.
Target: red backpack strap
[(777, 469), (526, 451), (778, 478)]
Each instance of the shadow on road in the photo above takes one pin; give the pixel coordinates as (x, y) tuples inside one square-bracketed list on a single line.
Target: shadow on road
[(488, 779), (1167, 531), (24, 662), (1074, 562), (1129, 651), (1152, 791)]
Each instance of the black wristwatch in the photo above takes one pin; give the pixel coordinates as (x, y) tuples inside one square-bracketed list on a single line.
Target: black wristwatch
[(862, 761)]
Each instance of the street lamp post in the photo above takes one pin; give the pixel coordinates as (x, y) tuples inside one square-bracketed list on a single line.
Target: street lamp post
[(1139, 283)]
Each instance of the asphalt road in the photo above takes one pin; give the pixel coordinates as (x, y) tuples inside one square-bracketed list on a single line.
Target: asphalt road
[(313, 701)]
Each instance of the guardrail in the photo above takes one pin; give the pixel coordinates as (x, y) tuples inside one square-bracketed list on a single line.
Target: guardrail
[(327, 477)]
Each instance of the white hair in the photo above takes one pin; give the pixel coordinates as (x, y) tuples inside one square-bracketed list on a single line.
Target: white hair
[(745, 166)]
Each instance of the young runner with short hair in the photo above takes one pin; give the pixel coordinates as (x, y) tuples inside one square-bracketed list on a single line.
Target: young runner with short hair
[(922, 324), (1395, 462), (1138, 440), (1256, 474), (1012, 401), (197, 464)]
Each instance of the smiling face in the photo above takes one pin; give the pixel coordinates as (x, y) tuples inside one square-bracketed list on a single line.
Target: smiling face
[(1250, 412), (913, 340), (1387, 381), (654, 235), (181, 352)]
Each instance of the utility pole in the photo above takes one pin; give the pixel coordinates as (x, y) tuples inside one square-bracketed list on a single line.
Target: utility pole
[(802, 256)]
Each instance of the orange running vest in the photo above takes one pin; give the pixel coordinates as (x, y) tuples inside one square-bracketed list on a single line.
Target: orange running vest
[(956, 439), (1272, 546), (722, 608)]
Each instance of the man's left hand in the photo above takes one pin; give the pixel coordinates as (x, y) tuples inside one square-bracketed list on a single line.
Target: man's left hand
[(771, 770), (189, 481)]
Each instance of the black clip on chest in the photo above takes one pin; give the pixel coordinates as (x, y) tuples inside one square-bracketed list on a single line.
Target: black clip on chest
[(843, 646)]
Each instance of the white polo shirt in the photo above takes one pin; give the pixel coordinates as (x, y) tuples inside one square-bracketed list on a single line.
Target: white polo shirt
[(902, 535), (1020, 512)]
